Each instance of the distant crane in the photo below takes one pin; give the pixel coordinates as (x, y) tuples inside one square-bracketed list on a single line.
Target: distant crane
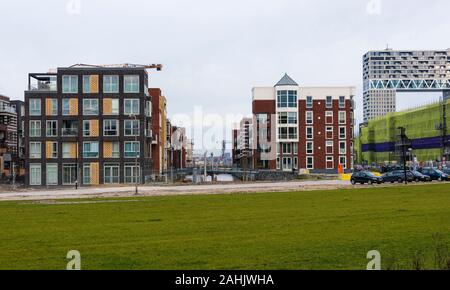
[(158, 67)]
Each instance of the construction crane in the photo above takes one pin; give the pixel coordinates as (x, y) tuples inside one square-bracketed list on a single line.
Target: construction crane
[(158, 67)]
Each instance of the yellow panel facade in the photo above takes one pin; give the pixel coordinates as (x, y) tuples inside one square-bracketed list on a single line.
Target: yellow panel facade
[(94, 128), (73, 150), (94, 84), (73, 107), (48, 149), (107, 106), (95, 180), (48, 107), (107, 150)]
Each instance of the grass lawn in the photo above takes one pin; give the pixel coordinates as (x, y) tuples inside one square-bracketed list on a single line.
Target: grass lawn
[(299, 230)]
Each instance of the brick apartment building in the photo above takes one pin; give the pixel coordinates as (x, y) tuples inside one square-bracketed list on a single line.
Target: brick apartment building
[(88, 125), (159, 130), (303, 127)]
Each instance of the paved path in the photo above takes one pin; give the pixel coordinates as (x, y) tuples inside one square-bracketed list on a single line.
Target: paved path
[(173, 190)]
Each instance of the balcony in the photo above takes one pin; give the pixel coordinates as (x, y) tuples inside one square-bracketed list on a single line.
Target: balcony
[(69, 129), (42, 82)]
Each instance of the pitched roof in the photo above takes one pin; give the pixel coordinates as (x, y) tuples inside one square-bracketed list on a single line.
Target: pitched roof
[(286, 81)]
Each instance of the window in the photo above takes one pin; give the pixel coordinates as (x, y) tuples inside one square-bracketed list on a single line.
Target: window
[(86, 84), (309, 147), (67, 150), (110, 127), (52, 128), (342, 133), (285, 133), (343, 161), (35, 174), (309, 118), (342, 147), (131, 107), (329, 132), (131, 84), (328, 117), (342, 117), (309, 132), (295, 146), (115, 150), (90, 149), (285, 118), (309, 102), (111, 174), (69, 174), (330, 162), (131, 127), (309, 162), (287, 99), (86, 174), (295, 162), (86, 128), (54, 148), (114, 107), (35, 150), (52, 174), (341, 102), (35, 128), (111, 84), (287, 148), (35, 107), (90, 107), (329, 147), (70, 84), (132, 174), (66, 107), (329, 102), (132, 149), (278, 163)]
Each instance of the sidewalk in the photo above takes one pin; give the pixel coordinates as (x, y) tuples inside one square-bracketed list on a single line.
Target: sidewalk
[(128, 191)]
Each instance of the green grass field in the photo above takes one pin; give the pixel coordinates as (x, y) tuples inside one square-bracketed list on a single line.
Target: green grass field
[(302, 230)]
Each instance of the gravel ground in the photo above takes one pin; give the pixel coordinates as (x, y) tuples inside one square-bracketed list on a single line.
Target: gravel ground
[(128, 191)]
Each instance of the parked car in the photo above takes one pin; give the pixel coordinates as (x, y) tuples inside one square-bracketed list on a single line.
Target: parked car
[(435, 174), (446, 170), (419, 177), (365, 177), (397, 176)]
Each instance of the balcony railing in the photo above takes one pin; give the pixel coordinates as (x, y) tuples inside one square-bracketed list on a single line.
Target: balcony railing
[(69, 132)]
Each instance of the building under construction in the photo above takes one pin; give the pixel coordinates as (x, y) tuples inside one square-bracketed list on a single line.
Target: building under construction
[(419, 135)]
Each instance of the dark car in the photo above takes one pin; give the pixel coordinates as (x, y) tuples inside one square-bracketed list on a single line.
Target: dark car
[(446, 170), (397, 176), (365, 177), (419, 177), (435, 174)]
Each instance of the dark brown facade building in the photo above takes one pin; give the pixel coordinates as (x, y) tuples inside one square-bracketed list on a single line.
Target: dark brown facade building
[(88, 125), (9, 138)]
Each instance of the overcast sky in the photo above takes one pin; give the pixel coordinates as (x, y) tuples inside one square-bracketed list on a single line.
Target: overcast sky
[(214, 52)]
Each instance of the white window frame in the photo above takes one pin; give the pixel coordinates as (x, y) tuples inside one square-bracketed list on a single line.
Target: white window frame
[(38, 153), (328, 105), (342, 117), (327, 146), (328, 131), (310, 152), (329, 114), (47, 127), (54, 180), (85, 176), (35, 168), (329, 159), (35, 107), (345, 148), (86, 132), (312, 133), (112, 176), (73, 87), (89, 108), (133, 85), (72, 166), (308, 165), (138, 149), (309, 105), (63, 111), (34, 130), (109, 81), (133, 178), (344, 165), (309, 117), (90, 151), (109, 123), (132, 128), (131, 112), (345, 132)]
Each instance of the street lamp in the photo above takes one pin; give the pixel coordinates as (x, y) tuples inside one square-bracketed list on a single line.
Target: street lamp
[(136, 156)]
